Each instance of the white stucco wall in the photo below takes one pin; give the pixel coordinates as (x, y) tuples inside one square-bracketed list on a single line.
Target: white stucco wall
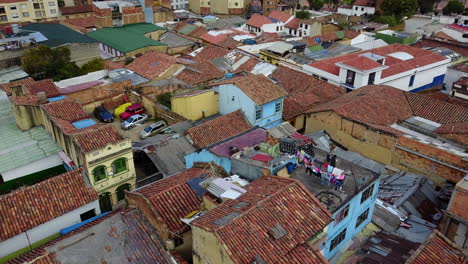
[(361, 10), (47, 229), (456, 34), (345, 11), (271, 28)]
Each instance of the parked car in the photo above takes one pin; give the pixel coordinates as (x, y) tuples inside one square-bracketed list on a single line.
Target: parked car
[(134, 109), (122, 108), (132, 121), (153, 129), (103, 115)]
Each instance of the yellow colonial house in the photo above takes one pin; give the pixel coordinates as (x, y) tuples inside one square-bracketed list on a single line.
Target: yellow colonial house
[(105, 156), (195, 105), (28, 11)]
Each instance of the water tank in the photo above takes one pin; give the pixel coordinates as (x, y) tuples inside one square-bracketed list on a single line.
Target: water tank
[(228, 75), (15, 28), (319, 40)]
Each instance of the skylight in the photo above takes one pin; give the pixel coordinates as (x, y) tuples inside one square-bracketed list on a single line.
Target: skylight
[(401, 55)]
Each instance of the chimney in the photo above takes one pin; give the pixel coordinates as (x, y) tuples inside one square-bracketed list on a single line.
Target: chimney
[(42, 97)]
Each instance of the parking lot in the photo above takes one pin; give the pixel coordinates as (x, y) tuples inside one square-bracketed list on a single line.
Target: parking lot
[(134, 133)]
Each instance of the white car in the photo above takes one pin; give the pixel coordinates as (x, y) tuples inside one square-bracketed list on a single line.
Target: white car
[(152, 129), (132, 121)]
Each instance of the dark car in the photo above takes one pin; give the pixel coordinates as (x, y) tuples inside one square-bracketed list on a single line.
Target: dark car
[(103, 115)]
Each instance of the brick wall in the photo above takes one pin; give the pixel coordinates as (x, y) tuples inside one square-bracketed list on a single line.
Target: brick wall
[(236, 11), (100, 93), (458, 202)]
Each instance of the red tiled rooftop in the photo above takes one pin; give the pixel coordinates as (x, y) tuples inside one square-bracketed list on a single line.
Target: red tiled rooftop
[(6, 87), (151, 64), (362, 63), (258, 21), (97, 137), (281, 16), (32, 206), (210, 52), (46, 86), (258, 88), (25, 100), (83, 22), (453, 128), (269, 201), (200, 72), (370, 3), (294, 23), (435, 110), (172, 198), (67, 109), (395, 66), (67, 10), (219, 129), (438, 249)]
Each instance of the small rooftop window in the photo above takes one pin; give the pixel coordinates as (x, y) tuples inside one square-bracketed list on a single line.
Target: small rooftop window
[(401, 55)]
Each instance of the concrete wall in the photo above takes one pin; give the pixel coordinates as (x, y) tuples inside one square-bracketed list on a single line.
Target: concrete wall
[(219, 6), (270, 118), (207, 249), (207, 156), (356, 208), (193, 107), (194, 6), (361, 10), (453, 76), (46, 229), (345, 11)]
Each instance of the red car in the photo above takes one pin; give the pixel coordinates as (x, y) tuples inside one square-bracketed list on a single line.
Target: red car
[(134, 109)]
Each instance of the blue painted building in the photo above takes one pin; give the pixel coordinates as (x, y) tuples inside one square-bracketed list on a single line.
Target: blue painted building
[(350, 219), (204, 155), (258, 97)]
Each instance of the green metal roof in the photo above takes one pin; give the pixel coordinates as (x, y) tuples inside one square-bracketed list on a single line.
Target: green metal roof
[(187, 29), (340, 34), (58, 34), (127, 38), (315, 48)]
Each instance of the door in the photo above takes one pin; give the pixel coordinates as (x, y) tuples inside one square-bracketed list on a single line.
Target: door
[(105, 202), (121, 191)]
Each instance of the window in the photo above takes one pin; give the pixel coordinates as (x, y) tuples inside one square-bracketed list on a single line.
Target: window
[(12, 7), (25, 14), (337, 240), (87, 215), (411, 81), (278, 107), (51, 3), (357, 8), (119, 165), (371, 78), (258, 113), (36, 6), (41, 5), (14, 16), (367, 193), (2, 10), (99, 173), (362, 218), (362, 9), (3, 18), (178, 241), (53, 11), (236, 4), (306, 26), (350, 75), (342, 215)]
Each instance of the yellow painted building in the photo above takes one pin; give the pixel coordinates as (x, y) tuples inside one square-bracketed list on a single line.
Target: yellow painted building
[(195, 105), (28, 11)]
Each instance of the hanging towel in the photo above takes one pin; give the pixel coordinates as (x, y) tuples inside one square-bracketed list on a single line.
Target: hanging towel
[(337, 171), (330, 169)]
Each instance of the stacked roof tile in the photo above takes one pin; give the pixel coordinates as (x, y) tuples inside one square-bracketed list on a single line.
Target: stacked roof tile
[(97, 137), (438, 249), (172, 198), (29, 207), (272, 222), (219, 129), (258, 88)]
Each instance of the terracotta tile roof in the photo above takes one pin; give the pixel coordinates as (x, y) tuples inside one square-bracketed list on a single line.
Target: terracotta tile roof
[(350, 34), (95, 138), (448, 99), (67, 10), (442, 35), (362, 63), (303, 94), (67, 109), (457, 47), (197, 33), (29, 207), (219, 129), (210, 52), (46, 86), (110, 65), (244, 225), (453, 128), (438, 249), (373, 104), (283, 17), (294, 23), (6, 87), (25, 100), (199, 73), (259, 88), (258, 21), (151, 64), (395, 66), (83, 22), (172, 198), (435, 110), (370, 3)]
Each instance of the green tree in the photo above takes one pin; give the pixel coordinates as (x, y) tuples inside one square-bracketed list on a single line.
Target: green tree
[(390, 20), (93, 65), (316, 4), (399, 8), (303, 14), (453, 7), (44, 62)]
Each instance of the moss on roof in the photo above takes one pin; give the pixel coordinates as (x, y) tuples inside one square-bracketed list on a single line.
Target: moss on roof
[(127, 38)]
